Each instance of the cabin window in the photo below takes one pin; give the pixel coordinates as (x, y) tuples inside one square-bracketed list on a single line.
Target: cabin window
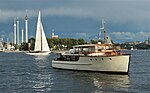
[(110, 58), (96, 59), (99, 50), (102, 58), (91, 59)]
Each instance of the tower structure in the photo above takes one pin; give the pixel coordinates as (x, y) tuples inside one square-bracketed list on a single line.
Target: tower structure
[(18, 43), (22, 35), (15, 31), (53, 33), (26, 28)]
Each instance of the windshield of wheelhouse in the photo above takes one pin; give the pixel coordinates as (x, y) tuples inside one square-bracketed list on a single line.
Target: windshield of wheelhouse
[(84, 50)]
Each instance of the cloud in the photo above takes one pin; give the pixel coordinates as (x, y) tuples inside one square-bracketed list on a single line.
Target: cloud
[(123, 15), (130, 36), (11, 14), (123, 35), (76, 35), (115, 36), (82, 35), (72, 12), (113, 10)]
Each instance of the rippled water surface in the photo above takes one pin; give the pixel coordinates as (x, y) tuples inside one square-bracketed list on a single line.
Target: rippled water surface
[(21, 73)]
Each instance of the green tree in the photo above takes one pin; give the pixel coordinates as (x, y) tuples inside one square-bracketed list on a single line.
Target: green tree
[(81, 41), (94, 41), (24, 46), (50, 42), (32, 43)]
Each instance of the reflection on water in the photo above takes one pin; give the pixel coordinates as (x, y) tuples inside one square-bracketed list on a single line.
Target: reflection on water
[(21, 73), (89, 82), (110, 83), (43, 79), (42, 83)]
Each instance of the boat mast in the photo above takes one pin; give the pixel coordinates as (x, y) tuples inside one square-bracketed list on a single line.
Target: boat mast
[(40, 28), (103, 28)]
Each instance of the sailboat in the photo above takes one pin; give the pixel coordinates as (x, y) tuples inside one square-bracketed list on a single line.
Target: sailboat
[(1, 47), (41, 46)]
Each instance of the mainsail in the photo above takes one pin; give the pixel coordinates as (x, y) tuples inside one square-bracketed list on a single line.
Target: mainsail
[(41, 42)]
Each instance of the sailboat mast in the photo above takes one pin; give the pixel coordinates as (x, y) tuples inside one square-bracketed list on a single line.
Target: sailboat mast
[(103, 24), (40, 29)]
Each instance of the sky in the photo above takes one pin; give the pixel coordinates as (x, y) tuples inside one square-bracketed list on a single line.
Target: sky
[(125, 20)]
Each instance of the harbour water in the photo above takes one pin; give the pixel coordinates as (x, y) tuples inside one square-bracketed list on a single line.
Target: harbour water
[(21, 73)]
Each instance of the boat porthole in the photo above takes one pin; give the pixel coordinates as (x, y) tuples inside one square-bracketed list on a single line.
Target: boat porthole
[(102, 59), (96, 59), (91, 59), (110, 58)]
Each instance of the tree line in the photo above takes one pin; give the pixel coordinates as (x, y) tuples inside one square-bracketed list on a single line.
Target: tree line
[(67, 43), (54, 43)]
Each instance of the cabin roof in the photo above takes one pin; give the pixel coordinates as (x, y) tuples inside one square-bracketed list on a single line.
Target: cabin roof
[(87, 45), (92, 45)]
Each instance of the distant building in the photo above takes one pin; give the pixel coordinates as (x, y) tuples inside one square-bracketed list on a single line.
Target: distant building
[(10, 47), (53, 34), (133, 43), (137, 42), (147, 41)]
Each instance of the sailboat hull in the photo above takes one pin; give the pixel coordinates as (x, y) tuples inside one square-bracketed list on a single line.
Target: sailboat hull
[(38, 53)]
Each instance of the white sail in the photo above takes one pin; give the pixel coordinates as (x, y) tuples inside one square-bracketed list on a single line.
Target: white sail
[(41, 42), (45, 46)]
